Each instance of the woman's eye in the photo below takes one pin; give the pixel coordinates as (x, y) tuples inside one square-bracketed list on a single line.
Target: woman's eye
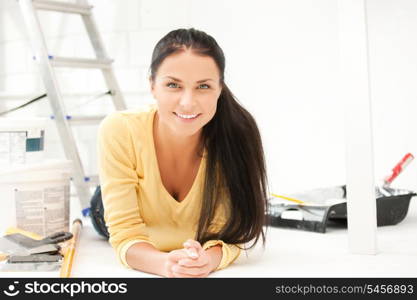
[(172, 83), (205, 86), (175, 85)]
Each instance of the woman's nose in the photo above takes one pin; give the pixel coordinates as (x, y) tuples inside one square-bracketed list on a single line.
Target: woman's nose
[(187, 99)]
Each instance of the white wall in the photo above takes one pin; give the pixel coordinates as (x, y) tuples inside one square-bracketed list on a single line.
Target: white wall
[(393, 61), (282, 64)]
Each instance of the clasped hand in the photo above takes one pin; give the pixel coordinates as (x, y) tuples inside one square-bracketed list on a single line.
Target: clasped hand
[(191, 261)]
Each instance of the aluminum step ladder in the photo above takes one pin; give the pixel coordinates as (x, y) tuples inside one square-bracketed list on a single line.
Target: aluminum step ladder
[(47, 63)]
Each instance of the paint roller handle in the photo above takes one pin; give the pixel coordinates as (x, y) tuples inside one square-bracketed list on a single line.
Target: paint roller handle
[(70, 252), (398, 169)]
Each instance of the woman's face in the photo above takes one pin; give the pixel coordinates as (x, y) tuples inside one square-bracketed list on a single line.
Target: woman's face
[(186, 89)]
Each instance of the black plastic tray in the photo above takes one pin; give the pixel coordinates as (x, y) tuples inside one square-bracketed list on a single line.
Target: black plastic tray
[(391, 210)]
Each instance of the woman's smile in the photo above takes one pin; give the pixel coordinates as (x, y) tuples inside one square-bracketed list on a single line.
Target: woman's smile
[(187, 117)]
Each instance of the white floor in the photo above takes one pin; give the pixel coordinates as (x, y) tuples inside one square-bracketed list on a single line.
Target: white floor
[(288, 253)]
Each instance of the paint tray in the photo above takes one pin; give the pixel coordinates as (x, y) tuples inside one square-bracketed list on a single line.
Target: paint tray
[(319, 212)]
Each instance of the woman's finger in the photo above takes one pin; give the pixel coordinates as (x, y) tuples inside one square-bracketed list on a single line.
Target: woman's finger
[(176, 255), (193, 247), (176, 269), (192, 252), (187, 262), (192, 243)]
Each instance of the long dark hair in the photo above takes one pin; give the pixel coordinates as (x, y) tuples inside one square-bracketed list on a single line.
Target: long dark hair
[(235, 157)]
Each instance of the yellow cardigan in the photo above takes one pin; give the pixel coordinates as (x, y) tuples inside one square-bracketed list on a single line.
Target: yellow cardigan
[(137, 206)]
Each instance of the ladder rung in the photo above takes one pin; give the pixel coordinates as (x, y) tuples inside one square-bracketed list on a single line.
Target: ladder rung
[(69, 62), (63, 7), (82, 120)]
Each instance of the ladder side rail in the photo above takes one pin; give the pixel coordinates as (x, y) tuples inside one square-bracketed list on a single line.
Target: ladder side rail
[(98, 45)]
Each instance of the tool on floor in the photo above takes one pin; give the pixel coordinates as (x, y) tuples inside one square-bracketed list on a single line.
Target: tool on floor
[(48, 62), (14, 250), (41, 258), (18, 245), (35, 258), (385, 187), (399, 167), (28, 242), (70, 251)]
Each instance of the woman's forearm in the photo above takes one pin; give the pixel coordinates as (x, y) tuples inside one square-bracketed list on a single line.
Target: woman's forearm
[(216, 254), (146, 258)]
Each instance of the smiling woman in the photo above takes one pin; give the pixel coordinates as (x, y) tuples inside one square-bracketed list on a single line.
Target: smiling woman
[(183, 180), (187, 101)]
